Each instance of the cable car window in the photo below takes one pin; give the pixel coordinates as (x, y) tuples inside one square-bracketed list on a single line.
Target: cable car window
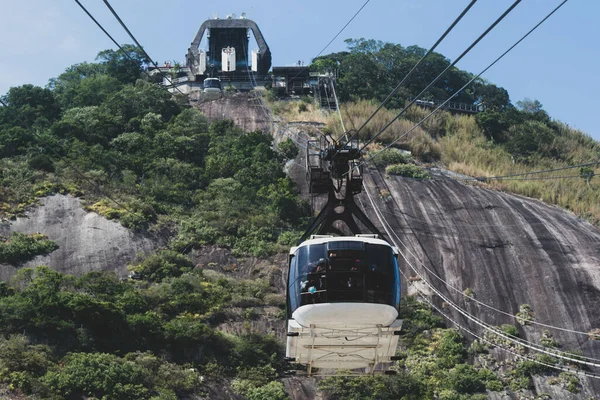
[(212, 83), (344, 271)]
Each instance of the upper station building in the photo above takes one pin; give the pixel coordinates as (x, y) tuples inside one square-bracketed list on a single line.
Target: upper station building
[(229, 53), (235, 51), (222, 49)]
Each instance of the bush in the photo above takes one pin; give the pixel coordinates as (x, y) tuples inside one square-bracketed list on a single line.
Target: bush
[(389, 156), (41, 162), (450, 349), (302, 107), (98, 375), (494, 386), (166, 263), (407, 170), (510, 330), (270, 391), (464, 379), (21, 248), (288, 148)]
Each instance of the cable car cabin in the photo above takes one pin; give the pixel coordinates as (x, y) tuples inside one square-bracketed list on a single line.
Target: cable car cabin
[(212, 88), (343, 296)]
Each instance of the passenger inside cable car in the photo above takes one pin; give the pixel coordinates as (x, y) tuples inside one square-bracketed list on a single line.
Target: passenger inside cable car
[(343, 271)]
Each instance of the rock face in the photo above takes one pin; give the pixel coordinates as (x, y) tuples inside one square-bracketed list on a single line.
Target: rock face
[(242, 108), (508, 250), (87, 241)]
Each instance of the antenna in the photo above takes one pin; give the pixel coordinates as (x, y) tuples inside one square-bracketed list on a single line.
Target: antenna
[(215, 16)]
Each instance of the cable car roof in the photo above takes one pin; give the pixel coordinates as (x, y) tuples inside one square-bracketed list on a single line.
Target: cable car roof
[(320, 239)]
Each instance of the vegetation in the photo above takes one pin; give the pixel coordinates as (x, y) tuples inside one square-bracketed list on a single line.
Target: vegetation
[(66, 337), (173, 173), (20, 248), (166, 166), (505, 139), (407, 170)]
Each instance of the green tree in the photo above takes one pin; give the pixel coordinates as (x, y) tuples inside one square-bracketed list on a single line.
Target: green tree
[(162, 265), (29, 105), (127, 65), (98, 375)]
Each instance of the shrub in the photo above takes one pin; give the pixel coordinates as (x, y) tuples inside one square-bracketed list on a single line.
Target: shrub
[(407, 170), (525, 314), (288, 148), (464, 379), (166, 263), (450, 349), (41, 162), (425, 148), (389, 156), (98, 375), (270, 391), (21, 248), (302, 107), (494, 386), (510, 330)]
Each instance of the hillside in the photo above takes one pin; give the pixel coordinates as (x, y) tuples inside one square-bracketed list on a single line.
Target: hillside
[(104, 174)]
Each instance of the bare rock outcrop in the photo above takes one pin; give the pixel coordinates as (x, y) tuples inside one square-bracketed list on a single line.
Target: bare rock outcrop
[(87, 241), (507, 250), (242, 108)]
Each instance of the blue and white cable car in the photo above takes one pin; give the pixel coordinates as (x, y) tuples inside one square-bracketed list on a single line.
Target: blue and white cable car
[(343, 296), (212, 88)]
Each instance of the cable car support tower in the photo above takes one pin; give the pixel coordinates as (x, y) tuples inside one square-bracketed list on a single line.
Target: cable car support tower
[(334, 169)]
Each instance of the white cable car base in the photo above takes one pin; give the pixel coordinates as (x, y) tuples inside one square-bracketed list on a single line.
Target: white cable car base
[(325, 348)]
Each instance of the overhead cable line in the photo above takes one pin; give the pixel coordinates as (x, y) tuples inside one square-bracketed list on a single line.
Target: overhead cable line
[(266, 110), (387, 99), (459, 90), (464, 53), (343, 28), (112, 10), (337, 34), (588, 164), (448, 285), (482, 324), (125, 53), (496, 345)]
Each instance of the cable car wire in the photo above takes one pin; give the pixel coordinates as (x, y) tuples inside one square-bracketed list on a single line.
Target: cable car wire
[(336, 36), (587, 164), (491, 343), (343, 28), (125, 53), (464, 53), (441, 38), (112, 10), (266, 110), (484, 325), (459, 90), (448, 285)]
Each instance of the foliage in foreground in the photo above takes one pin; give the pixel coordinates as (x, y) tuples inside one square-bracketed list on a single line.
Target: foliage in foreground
[(66, 337)]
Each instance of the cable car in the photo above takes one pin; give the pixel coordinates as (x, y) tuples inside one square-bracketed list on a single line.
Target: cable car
[(212, 88), (343, 297)]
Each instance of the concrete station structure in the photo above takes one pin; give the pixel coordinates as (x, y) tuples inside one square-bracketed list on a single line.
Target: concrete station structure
[(222, 49)]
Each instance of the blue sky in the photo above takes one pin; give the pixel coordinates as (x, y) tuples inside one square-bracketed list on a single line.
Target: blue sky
[(557, 65)]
